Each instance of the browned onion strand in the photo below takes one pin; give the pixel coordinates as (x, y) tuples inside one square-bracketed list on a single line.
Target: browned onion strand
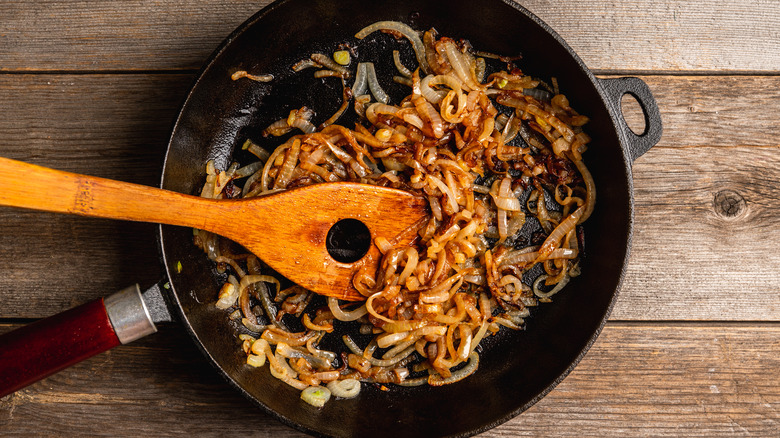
[(494, 155)]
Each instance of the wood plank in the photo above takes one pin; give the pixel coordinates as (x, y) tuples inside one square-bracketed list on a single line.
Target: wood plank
[(715, 152), (701, 36), (713, 110), (115, 35), (705, 237), (87, 123), (123, 131), (666, 380), (688, 36), (638, 379)]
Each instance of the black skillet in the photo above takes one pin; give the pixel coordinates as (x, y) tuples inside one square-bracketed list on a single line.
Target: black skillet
[(516, 369), (519, 368)]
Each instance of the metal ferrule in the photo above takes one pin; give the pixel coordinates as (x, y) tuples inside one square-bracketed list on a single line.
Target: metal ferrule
[(129, 315)]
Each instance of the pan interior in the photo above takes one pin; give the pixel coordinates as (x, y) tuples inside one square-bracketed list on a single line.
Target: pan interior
[(517, 368)]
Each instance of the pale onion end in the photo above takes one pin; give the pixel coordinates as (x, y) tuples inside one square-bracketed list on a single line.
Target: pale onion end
[(316, 396)]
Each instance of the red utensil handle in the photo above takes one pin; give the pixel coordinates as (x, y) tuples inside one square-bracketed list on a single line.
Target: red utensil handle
[(45, 347)]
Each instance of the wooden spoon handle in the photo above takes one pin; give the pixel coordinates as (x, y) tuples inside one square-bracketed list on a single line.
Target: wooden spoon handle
[(39, 188)]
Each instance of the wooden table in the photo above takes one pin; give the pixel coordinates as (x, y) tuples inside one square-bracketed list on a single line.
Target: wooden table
[(692, 347)]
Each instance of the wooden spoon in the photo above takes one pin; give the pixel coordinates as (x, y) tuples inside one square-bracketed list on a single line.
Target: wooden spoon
[(287, 230)]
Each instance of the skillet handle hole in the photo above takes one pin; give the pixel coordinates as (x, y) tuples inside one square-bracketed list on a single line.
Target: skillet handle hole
[(633, 114)]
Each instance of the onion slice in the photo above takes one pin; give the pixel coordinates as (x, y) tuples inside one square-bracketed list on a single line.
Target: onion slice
[(333, 305), (361, 83), (373, 83), (471, 366), (346, 388), (316, 396), (406, 31)]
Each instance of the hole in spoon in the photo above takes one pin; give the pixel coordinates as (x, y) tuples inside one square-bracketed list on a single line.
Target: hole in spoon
[(348, 240)]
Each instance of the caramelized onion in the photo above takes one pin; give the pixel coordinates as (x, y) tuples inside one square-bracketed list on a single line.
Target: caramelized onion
[(467, 275)]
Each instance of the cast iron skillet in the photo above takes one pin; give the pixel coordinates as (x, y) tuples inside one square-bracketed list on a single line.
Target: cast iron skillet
[(517, 369)]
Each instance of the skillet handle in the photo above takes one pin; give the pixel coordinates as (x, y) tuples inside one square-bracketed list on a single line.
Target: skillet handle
[(45, 347), (615, 89)]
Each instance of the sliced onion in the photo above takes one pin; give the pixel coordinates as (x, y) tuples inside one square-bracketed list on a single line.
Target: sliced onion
[(253, 326), (350, 343), (520, 257), (390, 338), (248, 170), (327, 61), (302, 124), (502, 224), (460, 66), (553, 291), (428, 92), (328, 356), (377, 108), (414, 120), (373, 84), (333, 305), (346, 96), (419, 381), (227, 296), (471, 366), (538, 94), (446, 190), (257, 78), (304, 64), (361, 80), (559, 232), (316, 396), (590, 187), (392, 360), (406, 31), (290, 160), (273, 336), (464, 349), (292, 353), (347, 388), (480, 69), (399, 65), (507, 203), (260, 347), (255, 360), (281, 375), (370, 308), (429, 114)]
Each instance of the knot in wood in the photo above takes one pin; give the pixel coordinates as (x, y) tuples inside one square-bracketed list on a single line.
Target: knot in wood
[(729, 204)]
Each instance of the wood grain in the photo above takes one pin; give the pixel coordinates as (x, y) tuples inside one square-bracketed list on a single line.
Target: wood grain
[(702, 36), (637, 379), (694, 257), (626, 36), (120, 36), (104, 125)]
